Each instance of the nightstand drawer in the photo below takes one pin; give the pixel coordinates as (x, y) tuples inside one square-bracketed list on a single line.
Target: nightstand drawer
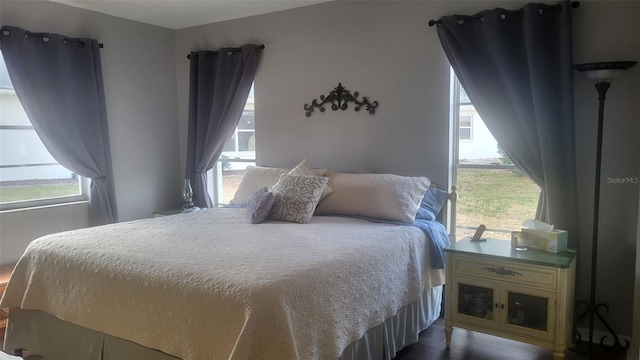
[(543, 277)]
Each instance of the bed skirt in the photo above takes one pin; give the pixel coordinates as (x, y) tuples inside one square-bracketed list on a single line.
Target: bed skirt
[(53, 338)]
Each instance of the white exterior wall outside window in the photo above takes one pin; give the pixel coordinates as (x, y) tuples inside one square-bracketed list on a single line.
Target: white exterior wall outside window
[(29, 175), (479, 145), (238, 154)]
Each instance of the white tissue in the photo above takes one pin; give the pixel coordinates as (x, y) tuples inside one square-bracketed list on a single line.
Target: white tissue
[(533, 224)]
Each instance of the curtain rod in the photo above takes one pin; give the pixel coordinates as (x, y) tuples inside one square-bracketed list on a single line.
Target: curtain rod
[(45, 37), (574, 4), (228, 49)]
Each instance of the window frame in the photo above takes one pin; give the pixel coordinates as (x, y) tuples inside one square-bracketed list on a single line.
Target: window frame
[(456, 119), (456, 165), (57, 200)]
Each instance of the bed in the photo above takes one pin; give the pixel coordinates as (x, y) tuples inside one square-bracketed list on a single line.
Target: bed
[(211, 285)]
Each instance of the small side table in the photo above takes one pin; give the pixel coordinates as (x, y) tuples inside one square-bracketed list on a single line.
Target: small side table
[(520, 295), (5, 274), (167, 212)]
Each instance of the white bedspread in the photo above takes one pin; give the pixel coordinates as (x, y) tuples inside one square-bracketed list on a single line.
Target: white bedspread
[(208, 285)]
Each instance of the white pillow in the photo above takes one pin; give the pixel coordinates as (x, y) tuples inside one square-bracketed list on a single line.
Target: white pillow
[(254, 179), (257, 177), (378, 196), (296, 197)]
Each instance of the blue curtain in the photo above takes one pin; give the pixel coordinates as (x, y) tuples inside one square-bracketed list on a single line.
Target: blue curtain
[(516, 67), (58, 80), (220, 82)]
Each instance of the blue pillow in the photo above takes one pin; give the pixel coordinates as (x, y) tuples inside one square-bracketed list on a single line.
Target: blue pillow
[(431, 204), (259, 206)]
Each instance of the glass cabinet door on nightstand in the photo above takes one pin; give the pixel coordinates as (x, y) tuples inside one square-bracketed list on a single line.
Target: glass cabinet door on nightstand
[(503, 306), (529, 312), (473, 302)]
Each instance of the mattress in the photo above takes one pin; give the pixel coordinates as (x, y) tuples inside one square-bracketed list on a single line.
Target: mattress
[(227, 289)]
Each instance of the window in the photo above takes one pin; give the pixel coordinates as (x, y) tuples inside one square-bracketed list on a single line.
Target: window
[(238, 154), (492, 191), (29, 175), (464, 127), (243, 139), (466, 112)]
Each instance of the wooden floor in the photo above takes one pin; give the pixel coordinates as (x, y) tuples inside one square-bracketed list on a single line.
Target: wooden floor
[(469, 345)]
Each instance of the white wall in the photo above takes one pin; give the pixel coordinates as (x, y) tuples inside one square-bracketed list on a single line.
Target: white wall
[(386, 51), (19, 227), (139, 80)]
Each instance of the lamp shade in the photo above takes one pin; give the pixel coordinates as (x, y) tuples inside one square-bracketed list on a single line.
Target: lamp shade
[(604, 71)]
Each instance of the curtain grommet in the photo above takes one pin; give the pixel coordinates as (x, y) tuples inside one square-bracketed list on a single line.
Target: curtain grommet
[(6, 32)]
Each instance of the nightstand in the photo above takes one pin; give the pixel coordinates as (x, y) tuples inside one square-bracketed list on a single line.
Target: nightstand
[(5, 274), (167, 212), (520, 295)]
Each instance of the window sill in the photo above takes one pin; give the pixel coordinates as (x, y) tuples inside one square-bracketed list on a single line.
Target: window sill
[(44, 206)]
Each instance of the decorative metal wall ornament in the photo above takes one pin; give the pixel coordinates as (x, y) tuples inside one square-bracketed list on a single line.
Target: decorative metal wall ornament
[(339, 97)]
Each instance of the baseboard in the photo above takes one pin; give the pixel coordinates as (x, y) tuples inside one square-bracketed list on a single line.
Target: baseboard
[(598, 334)]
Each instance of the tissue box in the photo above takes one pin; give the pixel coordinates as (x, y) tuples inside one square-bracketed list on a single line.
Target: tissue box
[(553, 241)]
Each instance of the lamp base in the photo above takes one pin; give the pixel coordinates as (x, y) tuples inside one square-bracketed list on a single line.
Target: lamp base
[(594, 310), (579, 350)]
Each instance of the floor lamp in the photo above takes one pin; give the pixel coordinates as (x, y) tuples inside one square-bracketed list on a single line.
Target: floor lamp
[(602, 74)]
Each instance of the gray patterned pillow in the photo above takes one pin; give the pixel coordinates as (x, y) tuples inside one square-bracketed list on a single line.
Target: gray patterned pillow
[(259, 206), (303, 169), (296, 197)]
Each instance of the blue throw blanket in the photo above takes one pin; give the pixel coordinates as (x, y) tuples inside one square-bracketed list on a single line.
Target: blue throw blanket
[(439, 239)]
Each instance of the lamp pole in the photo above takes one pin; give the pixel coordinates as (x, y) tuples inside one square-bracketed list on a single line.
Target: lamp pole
[(602, 73), (602, 88)]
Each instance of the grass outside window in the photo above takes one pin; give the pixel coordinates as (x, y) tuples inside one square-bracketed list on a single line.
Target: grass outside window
[(500, 199), (35, 190)]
